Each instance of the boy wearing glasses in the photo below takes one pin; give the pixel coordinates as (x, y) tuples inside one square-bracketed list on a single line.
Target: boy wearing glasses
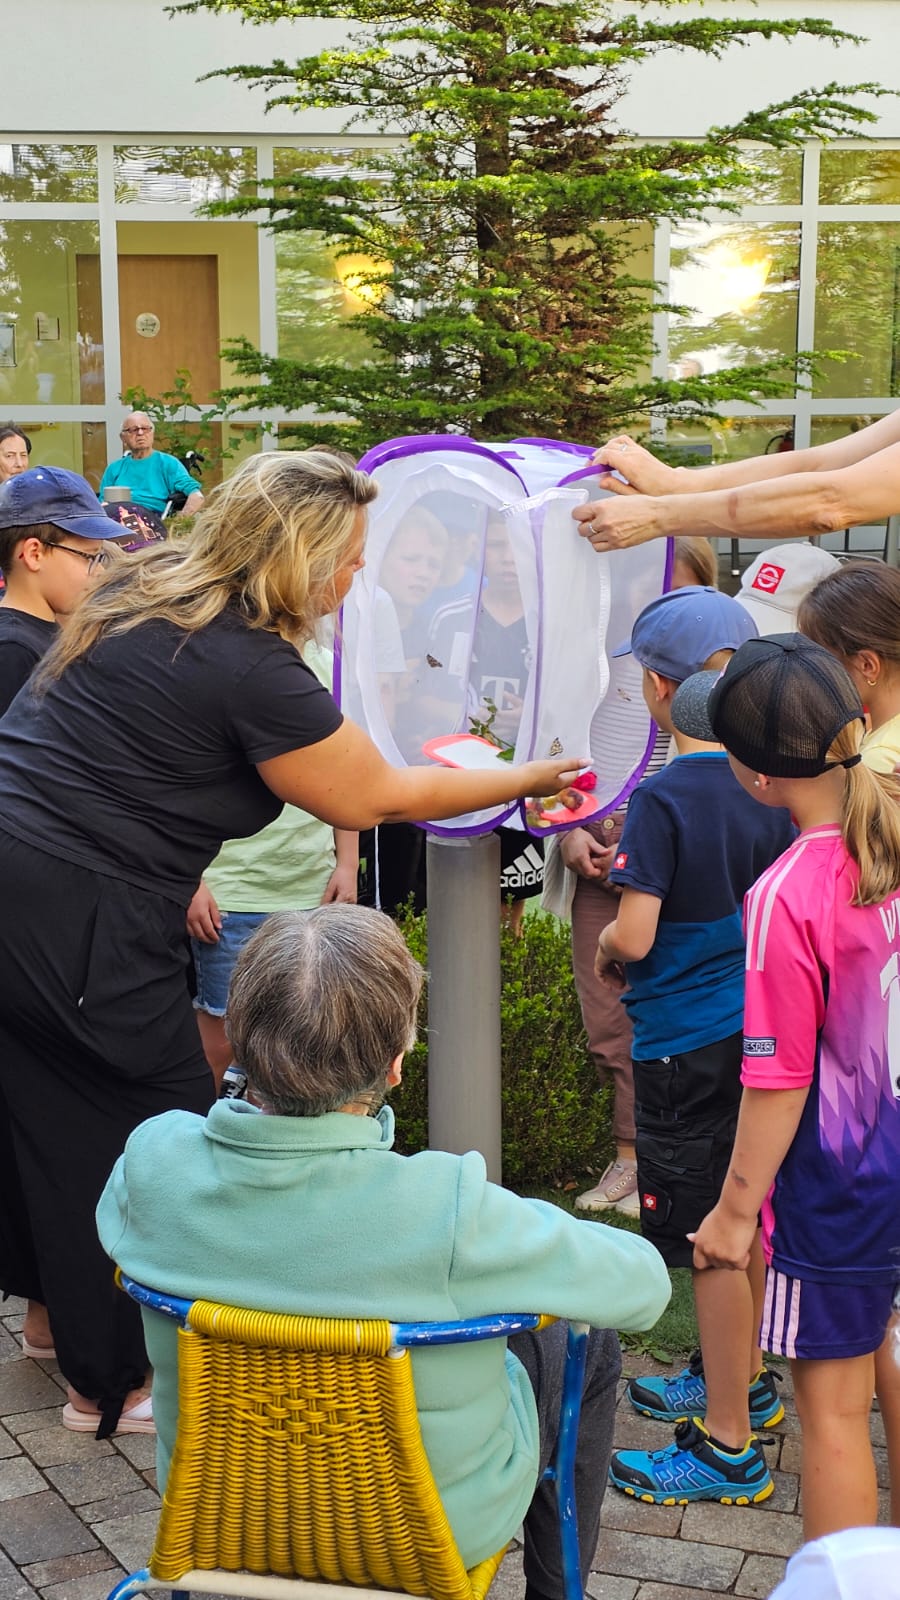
[(53, 534), (153, 477)]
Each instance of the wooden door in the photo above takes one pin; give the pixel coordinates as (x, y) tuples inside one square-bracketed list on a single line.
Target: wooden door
[(175, 299)]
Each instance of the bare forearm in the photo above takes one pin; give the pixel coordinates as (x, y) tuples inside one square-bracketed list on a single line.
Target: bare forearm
[(346, 848), (412, 793), (755, 469), (795, 506), (767, 1123), (346, 782)]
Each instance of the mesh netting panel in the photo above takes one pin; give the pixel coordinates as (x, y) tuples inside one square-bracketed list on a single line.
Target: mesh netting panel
[(482, 610)]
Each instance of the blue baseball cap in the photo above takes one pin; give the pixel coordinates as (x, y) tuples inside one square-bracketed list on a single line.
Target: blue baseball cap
[(676, 634), (51, 494)]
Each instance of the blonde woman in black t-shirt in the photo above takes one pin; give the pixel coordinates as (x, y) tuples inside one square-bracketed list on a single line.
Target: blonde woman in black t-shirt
[(174, 712)]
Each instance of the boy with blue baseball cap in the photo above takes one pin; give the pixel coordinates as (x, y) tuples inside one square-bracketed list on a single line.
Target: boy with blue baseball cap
[(53, 534), (692, 846)]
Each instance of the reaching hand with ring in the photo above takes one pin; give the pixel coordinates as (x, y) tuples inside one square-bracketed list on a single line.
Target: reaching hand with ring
[(634, 517)]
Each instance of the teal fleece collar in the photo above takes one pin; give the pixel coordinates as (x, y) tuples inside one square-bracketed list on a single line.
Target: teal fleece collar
[(244, 1127)]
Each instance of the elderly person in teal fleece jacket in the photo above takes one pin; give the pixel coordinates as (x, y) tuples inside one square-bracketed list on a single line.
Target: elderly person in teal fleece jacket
[(297, 1203)]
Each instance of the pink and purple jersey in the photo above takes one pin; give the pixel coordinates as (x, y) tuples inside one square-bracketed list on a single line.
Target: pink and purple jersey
[(823, 1008)]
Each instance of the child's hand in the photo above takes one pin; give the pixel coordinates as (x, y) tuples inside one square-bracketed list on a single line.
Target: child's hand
[(340, 889), (723, 1241), (611, 974), (204, 919)]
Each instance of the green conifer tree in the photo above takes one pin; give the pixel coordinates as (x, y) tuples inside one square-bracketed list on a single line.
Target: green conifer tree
[(492, 238)]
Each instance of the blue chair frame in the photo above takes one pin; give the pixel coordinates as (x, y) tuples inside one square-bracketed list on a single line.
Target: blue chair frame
[(410, 1336)]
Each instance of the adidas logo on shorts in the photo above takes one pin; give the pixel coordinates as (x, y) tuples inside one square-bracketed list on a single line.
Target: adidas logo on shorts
[(523, 873)]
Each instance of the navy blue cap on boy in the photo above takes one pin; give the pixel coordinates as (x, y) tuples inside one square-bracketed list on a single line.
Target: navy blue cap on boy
[(676, 634), (51, 494)]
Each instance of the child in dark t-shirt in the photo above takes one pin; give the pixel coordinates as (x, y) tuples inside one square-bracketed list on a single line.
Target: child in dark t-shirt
[(53, 532), (691, 848), (488, 642)]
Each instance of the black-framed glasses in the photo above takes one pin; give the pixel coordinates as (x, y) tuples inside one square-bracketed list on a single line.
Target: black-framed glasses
[(94, 558), (146, 429)]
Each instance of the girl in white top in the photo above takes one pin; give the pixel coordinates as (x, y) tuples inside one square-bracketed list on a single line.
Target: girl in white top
[(855, 613)]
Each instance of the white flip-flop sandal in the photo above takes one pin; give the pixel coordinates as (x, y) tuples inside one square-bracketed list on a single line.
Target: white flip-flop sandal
[(38, 1352), (137, 1419)]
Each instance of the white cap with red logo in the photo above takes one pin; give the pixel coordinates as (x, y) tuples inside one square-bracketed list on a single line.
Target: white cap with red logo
[(776, 582)]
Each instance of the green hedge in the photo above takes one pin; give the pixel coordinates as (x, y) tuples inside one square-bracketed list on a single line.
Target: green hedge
[(556, 1121)]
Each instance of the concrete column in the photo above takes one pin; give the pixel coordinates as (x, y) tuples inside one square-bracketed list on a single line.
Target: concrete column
[(464, 997), (892, 542)]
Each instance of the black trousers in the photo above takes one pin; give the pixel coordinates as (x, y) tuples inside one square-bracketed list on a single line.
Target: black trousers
[(97, 1033)]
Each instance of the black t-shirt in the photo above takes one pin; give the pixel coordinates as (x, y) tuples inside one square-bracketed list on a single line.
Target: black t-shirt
[(141, 759), (23, 640)]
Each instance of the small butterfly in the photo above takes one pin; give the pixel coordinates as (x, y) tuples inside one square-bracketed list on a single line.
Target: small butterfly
[(432, 662), (556, 748)]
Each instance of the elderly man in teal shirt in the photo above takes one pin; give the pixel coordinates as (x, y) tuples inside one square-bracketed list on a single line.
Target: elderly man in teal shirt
[(299, 1204), (152, 476)]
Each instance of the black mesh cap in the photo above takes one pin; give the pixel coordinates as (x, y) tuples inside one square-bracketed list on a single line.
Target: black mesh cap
[(780, 704)]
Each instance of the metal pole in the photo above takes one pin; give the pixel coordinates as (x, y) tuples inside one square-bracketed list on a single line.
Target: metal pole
[(892, 542), (464, 997)]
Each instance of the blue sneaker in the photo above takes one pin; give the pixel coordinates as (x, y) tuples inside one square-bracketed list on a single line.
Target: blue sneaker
[(675, 1399), (693, 1468)]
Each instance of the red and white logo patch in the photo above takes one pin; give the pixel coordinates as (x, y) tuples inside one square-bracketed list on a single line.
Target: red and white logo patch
[(768, 577), (649, 1202), (621, 859)]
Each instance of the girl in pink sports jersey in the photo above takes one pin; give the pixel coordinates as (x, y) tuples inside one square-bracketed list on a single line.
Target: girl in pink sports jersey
[(817, 1147)]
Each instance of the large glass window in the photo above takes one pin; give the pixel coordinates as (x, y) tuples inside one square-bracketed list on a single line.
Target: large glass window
[(774, 178), (318, 289), (317, 293), (730, 438), (826, 429), (858, 308), (65, 172), (50, 332), (859, 177), (188, 175), (78, 446), (737, 284)]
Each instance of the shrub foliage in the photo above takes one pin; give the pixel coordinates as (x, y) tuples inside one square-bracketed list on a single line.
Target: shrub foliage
[(556, 1121)]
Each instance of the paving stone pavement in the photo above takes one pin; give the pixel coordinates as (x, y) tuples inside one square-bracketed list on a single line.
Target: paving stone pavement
[(75, 1513)]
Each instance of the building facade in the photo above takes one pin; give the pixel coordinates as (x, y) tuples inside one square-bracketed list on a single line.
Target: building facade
[(110, 143)]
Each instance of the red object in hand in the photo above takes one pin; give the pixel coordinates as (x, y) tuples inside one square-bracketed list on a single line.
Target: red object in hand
[(587, 782)]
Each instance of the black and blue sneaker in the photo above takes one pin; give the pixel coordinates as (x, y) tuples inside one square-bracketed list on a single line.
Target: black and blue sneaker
[(693, 1468), (684, 1395)]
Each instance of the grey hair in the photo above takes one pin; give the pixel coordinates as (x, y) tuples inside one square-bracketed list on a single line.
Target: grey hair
[(321, 1002)]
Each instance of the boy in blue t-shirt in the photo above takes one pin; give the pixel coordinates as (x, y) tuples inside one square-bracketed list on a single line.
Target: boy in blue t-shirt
[(693, 844)]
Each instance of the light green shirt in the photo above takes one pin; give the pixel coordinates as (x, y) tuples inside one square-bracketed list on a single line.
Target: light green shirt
[(286, 866), (881, 748)]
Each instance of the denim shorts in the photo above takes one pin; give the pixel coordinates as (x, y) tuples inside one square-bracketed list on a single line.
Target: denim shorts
[(214, 963)]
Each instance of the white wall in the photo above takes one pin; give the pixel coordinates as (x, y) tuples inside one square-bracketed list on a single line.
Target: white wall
[(124, 66), (683, 94), (116, 66)]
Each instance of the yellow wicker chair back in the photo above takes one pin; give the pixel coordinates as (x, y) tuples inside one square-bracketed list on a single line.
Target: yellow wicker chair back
[(299, 1454)]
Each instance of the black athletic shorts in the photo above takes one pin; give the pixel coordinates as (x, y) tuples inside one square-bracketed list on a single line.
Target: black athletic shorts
[(521, 865), (685, 1114)]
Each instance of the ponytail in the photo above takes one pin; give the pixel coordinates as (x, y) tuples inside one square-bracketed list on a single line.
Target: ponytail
[(870, 819)]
